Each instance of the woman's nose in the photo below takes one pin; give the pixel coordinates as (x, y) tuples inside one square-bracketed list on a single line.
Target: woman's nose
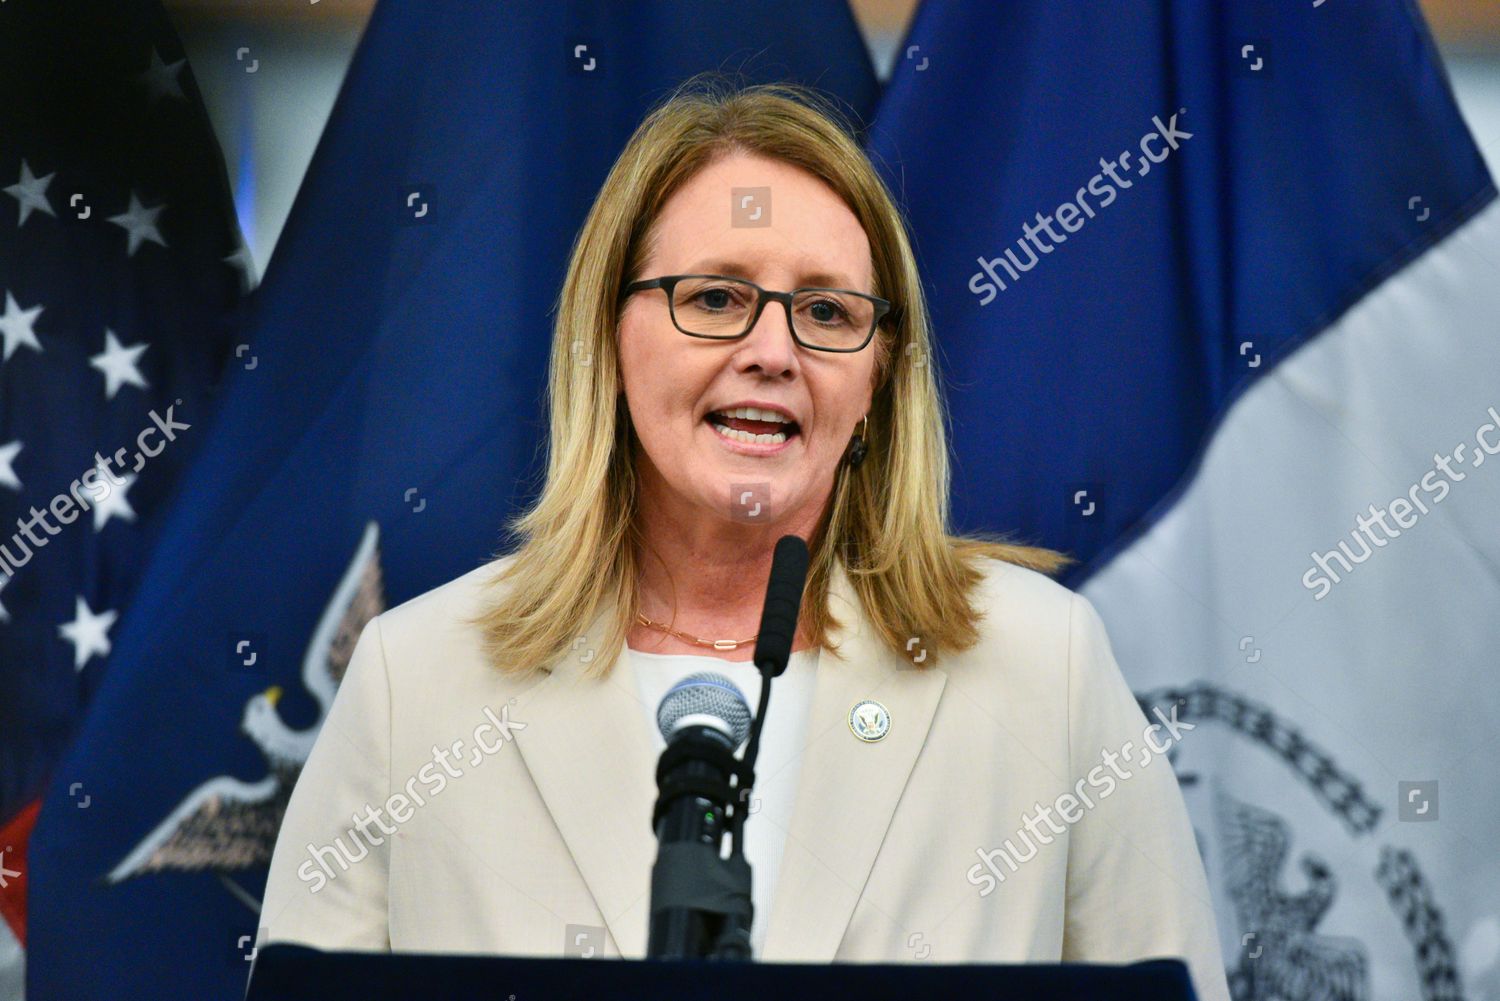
[(769, 344)]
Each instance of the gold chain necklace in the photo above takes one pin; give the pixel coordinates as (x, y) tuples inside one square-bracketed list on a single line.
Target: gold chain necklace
[(716, 644)]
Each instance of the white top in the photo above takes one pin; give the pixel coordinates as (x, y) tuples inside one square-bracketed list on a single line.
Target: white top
[(776, 767)]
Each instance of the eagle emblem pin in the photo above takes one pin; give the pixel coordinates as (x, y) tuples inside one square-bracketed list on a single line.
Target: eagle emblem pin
[(869, 720)]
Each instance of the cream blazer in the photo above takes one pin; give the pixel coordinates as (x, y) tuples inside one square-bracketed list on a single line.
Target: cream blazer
[(515, 815)]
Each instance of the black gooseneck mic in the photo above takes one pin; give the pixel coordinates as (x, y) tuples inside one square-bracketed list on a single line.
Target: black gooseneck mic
[(773, 647), (700, 902), (778, 622)]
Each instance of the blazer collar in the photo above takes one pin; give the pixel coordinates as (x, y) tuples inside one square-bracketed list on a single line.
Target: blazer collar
[(589, 751)]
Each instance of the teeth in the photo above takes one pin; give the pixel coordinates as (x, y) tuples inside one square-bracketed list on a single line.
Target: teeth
[(753, 414), (750, 439)]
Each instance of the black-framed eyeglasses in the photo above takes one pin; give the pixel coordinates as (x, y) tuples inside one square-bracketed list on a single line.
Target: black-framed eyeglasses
[(721, 307)]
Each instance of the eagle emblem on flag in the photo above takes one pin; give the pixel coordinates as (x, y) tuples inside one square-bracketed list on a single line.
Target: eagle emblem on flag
[(227, 824)]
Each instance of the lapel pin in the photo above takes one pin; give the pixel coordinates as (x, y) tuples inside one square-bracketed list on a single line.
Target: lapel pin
[(869, 720)]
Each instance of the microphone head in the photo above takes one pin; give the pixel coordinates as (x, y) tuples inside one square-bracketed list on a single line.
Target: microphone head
[(705, 698)]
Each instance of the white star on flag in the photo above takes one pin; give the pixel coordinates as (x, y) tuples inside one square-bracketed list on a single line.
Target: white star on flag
[(140, 223), (8, 477), (160, 79), (118, 363), (89, 633), (31, 192), (109, 499), (16, 326)]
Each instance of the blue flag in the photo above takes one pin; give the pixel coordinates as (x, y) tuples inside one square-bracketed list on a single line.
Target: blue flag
[(387, 422), (1127, 213)]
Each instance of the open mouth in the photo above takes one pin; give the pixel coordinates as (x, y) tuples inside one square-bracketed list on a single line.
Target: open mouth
[(753, 427)]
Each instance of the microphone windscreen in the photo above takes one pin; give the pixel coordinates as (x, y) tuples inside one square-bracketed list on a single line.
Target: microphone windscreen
[(778, 623), (706, 698)]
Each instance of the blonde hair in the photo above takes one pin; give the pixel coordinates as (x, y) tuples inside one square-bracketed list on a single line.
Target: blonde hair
[(887, 520)]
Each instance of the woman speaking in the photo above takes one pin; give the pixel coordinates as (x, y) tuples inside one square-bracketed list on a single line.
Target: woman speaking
[(952, 769)]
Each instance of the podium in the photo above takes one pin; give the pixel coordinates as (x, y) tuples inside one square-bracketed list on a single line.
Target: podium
[(293, 973)]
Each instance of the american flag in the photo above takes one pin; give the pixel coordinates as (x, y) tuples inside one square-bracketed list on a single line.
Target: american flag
[(122, 273)]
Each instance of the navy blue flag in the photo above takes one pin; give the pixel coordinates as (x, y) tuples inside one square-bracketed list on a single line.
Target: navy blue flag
[(1126, 213), (117, 309), (387, 423)]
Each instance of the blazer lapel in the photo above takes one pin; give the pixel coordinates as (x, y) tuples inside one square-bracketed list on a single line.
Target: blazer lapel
[(587, 747), (848, 788)]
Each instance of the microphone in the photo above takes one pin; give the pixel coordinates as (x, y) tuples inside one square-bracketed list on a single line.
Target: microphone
[(778, 621), (700, 901), (773, 647), (703, 719)]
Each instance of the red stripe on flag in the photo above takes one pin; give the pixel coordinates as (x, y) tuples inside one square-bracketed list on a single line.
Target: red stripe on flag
[(14, 837)]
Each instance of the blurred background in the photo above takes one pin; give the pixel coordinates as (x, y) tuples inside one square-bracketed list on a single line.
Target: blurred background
[(268, 125)]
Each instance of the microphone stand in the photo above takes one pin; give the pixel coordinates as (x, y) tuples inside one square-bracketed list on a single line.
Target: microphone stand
[(778, 628), (733, 942)]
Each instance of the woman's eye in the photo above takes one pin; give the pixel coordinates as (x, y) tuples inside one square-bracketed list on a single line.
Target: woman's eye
[(826, 311), (715, 298)]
